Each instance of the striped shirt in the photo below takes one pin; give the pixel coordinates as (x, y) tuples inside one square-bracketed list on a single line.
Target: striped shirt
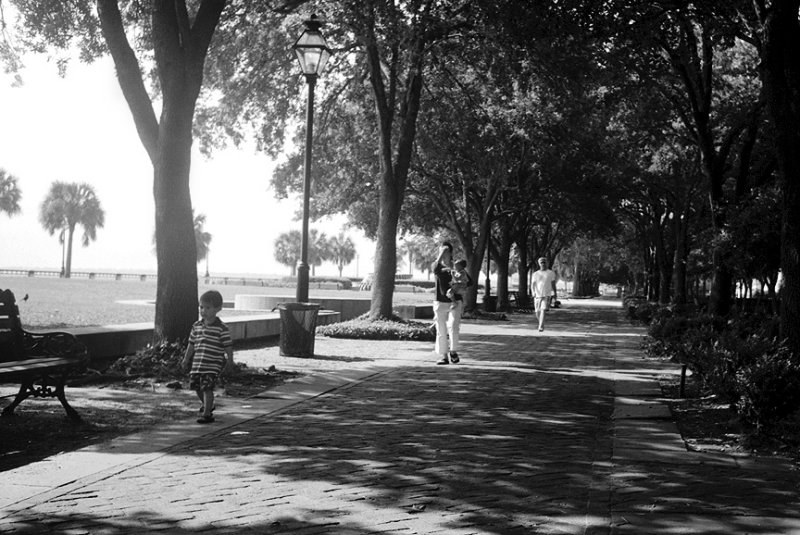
[(210, 343)]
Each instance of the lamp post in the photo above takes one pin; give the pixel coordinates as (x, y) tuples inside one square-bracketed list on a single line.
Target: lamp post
[(312, 55)]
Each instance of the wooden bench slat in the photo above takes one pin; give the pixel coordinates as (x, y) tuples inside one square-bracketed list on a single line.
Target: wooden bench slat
[(36, 364)]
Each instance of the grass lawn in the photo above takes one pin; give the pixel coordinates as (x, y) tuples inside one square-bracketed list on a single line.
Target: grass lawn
[(57, 303)]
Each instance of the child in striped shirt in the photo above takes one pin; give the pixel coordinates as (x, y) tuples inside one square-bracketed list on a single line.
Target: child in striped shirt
[(210, 351)]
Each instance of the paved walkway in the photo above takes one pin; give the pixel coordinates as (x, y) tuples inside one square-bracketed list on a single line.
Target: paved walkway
[(558, 432)]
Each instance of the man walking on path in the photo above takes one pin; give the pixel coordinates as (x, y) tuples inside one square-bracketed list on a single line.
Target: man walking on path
[(544, 289)]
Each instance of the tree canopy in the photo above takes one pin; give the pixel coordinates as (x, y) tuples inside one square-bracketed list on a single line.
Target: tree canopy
[(518, 128)]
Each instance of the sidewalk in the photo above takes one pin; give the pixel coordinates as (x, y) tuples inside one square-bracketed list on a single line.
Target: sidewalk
[(554, 432)]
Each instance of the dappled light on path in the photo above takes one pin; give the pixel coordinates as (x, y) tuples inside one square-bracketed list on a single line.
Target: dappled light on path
[(530, 434)]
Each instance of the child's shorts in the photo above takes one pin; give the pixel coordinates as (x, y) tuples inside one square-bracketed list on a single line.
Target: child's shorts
[(540, 303), (203, 381)]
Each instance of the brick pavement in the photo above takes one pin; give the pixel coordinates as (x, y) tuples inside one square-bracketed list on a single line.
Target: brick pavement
[(560, 432)]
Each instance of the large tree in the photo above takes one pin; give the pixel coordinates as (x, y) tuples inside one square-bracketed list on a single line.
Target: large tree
[(779, 46), (66, 206), (164, 42), (369, 122)]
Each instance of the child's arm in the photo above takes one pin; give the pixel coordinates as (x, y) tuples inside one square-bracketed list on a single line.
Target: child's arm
[(187, 358), (227, 366)]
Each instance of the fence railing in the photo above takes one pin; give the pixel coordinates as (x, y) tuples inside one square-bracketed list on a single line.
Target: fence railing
[(76, 274), (222, 280)]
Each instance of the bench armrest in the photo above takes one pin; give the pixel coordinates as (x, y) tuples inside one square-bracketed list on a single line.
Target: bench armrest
[(54, 344)]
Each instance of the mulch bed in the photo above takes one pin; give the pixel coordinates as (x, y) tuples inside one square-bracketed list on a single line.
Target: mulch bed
[(708, 424)]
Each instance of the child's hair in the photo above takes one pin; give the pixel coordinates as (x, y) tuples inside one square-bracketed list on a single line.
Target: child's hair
[(448, 245), (213, 298), (461, 264)]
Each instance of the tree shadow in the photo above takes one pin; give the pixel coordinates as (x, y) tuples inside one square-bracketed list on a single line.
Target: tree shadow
[(519, 439), (338, 358)]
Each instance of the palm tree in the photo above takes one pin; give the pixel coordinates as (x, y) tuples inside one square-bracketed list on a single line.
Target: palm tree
[(10, 193), (287, 249), (202, 239), (342, 251), (318, 249), (66, 206)]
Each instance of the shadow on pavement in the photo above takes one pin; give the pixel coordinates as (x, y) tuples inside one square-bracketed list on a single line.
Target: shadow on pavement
[(518, 439)]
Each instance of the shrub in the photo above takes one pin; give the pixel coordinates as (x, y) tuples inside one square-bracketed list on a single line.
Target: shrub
[(769, 388), (683, 339), (383, 329), (162, 361), (478, 314), (737, 358), (732, 352), (640, 310)]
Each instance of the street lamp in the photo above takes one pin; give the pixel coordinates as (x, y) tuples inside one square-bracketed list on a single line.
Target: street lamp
[(312, 55)]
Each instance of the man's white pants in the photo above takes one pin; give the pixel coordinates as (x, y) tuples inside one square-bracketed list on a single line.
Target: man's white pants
[(448, 324)]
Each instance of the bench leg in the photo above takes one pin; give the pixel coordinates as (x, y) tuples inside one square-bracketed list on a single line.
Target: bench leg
[(43, 391), (72, 413), (25, 391)]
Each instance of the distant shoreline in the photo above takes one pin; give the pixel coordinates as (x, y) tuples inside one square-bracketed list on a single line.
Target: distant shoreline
[(110, 273)]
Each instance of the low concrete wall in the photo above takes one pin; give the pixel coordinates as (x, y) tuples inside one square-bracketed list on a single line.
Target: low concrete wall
[(113, 341), (414, 312), (348, 308)]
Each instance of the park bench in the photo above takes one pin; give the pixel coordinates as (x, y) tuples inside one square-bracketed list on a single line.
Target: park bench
[(39, 362)]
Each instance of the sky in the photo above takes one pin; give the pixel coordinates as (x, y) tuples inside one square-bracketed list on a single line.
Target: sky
[(79, 129)]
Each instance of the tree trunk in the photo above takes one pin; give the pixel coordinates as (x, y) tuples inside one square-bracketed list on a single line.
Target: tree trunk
[(584, 284), (502, 261), (653, 282), (664, 282), (385, 252), (394, 171), (721, 295), (679, 262), (69, 236), (176, 287), (662, 265), (502, 283), (522, 287), (781, 77)]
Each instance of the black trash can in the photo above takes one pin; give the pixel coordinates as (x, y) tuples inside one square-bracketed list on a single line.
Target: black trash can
[(490, 303), (298, 328)]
